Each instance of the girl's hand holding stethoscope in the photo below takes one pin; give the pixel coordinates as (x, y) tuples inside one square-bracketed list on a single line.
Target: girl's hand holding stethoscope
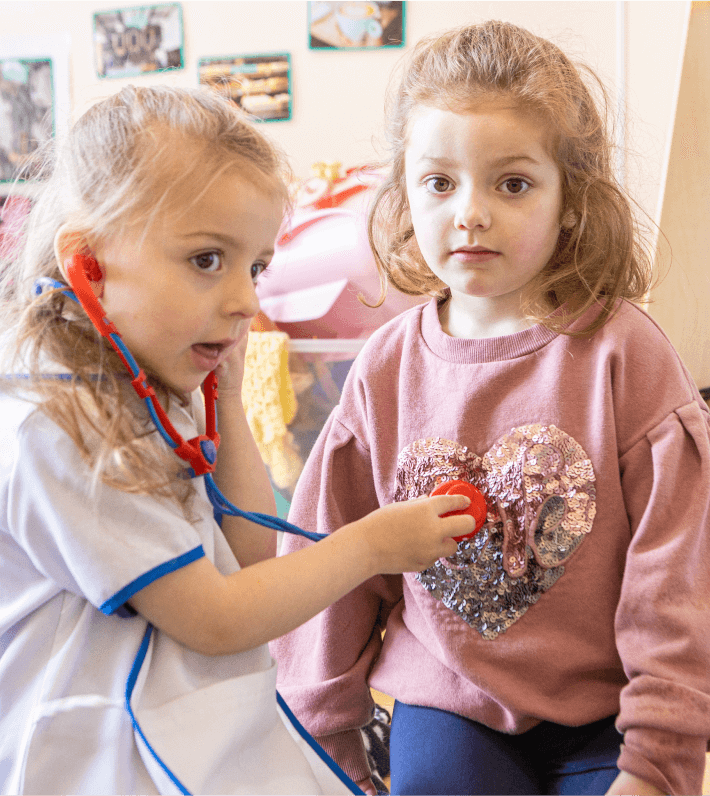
[(231, 371)]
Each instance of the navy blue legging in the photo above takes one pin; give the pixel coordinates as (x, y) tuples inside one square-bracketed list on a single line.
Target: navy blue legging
[(435, 752)]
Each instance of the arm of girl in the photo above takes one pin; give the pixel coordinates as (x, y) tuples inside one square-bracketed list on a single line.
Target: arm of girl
[(240, 473), (216, 614)]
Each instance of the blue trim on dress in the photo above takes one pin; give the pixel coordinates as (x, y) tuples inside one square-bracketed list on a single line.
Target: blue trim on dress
[(130, 684), (317, 748), (114, 603)]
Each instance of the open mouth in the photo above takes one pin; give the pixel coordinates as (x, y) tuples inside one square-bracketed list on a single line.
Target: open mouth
[(209, 349), (208, 355)]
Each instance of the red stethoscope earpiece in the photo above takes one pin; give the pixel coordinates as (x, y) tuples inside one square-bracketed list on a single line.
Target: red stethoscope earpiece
[(91, 267), (82, 269)]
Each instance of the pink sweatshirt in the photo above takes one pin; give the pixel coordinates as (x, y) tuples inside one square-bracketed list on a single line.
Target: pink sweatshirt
[(586, 593)]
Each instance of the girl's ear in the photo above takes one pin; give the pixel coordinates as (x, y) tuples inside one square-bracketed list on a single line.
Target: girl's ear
[(569, 219), (68, 243)]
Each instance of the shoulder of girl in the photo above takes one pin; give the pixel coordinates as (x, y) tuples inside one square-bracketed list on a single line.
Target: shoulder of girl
[(638, 328), (647, 351), (15, 411), (392, 333)]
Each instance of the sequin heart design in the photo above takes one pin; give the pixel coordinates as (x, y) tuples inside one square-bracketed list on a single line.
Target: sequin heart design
[(540, 488)]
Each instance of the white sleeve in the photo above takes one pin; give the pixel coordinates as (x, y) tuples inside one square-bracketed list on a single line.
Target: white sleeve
[(104, 546)]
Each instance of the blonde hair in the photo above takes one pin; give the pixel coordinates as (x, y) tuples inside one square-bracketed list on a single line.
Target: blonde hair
[(603, 256), (115, 170)]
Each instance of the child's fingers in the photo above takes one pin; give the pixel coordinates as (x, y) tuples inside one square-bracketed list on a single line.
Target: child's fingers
[(450, 546), (459, 525), (231, 371), (455, 525), (445, 503)]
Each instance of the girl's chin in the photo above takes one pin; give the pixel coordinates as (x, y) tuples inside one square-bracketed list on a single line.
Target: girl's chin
[(186, 386), (184, 379), (188, 389)]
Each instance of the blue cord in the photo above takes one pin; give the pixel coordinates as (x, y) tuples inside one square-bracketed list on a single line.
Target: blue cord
[(223, 506), (217, 499)]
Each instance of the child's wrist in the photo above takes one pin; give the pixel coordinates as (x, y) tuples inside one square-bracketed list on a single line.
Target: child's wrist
[(228, 393), (230, 405), (360, 551), (368, 550)]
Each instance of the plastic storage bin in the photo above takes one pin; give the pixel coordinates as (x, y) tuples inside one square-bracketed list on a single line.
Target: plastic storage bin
[(318, 371)]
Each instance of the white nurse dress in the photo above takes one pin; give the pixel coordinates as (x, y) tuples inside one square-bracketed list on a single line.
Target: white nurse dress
[(94, 701)]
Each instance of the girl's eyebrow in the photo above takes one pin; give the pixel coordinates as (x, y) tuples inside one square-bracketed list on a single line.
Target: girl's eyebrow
[(227, 240), (504, 161), (220, 236), (436, 161)]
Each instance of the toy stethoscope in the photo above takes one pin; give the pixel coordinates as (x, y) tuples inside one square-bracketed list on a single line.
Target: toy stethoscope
[(201, 451)]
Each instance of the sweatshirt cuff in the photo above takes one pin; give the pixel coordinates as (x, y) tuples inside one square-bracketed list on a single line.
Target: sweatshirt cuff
[(674, 763), (348, 750)]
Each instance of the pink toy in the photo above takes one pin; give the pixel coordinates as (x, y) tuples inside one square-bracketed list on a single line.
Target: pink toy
[(322, 261)]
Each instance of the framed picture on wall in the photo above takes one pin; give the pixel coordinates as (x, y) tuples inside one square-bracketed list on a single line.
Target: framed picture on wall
[(140, 40), (367, 25), (34, 100), (26, 111), (259, 84)]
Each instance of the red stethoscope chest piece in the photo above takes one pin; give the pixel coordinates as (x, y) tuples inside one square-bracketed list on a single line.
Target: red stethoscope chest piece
[(478, 508)]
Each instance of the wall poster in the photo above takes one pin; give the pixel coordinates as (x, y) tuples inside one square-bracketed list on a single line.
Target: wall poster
[(259, 84), (34, 99), (355, 25), (135, 41)]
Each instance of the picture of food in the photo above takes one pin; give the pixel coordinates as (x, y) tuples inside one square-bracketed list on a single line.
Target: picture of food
[(260, 84)]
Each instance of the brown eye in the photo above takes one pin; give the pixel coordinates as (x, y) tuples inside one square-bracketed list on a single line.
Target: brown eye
[(438, 184), (257, 269), (516, 185), (207, 261)]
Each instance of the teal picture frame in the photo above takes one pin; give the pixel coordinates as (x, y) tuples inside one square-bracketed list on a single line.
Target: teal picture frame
[(259, 83), (138, 40), (356, 25)]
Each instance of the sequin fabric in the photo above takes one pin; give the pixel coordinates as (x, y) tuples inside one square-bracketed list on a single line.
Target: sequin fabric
[(540, 488)]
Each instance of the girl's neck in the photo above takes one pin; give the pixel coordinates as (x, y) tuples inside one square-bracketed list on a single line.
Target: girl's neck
[(479, 318)]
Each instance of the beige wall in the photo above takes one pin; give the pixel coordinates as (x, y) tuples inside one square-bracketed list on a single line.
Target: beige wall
[(681, 303), (338, 95)]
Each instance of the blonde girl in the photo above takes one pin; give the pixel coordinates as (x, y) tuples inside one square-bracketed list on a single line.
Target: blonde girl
[(133, 629), (564, 647)]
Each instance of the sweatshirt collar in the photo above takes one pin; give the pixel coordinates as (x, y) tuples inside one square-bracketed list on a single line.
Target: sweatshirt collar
[(475, 351)]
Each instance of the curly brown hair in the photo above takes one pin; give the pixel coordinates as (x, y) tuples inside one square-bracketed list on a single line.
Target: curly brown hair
[(115, 170), (603, 256)]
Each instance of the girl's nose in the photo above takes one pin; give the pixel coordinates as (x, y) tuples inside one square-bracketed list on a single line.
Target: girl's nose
[(240, 296), (472, 211)]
